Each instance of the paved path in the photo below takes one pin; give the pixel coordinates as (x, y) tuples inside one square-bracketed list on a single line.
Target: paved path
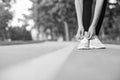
[(10, 55), (58, 61), (92, 65)]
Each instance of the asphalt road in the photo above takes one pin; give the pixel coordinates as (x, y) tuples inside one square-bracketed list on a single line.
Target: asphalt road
[(58, 61), (101, 64)]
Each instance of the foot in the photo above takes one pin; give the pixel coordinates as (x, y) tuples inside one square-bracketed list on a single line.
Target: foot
[(84, 43), (95, 43)]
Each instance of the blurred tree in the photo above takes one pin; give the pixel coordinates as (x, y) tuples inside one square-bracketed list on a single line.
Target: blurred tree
[(55, 13), (5, 16), (17, 33), (112, 21)]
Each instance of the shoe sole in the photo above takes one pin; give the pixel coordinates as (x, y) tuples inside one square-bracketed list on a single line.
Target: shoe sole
[(83, 48), (90, 48), (99, 48)]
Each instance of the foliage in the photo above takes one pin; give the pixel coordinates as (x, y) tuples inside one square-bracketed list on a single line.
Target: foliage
[(55, 13), (111, 23), (17, 33), (5, 16)]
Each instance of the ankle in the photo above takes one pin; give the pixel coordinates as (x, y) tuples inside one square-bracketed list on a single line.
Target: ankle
[(85, 34)]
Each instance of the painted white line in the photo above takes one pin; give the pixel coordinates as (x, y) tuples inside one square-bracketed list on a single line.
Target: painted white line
[(42, 68)]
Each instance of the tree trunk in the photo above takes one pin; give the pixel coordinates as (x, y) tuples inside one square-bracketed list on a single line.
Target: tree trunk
[(34, 34), (41, 34), (66, 31)]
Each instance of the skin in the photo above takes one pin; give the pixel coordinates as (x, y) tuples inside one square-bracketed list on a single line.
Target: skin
[(79, 11)]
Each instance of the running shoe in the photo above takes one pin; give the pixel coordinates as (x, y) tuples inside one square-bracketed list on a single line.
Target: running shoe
[(95, 43), (83, 43)]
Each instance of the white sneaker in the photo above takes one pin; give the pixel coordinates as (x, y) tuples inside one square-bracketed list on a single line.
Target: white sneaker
[(84, 44), (95, 43)]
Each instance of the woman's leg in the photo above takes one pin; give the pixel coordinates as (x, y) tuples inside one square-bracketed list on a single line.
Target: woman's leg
[(84, 12), (95, 42), (98, 27), (87, 13)]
